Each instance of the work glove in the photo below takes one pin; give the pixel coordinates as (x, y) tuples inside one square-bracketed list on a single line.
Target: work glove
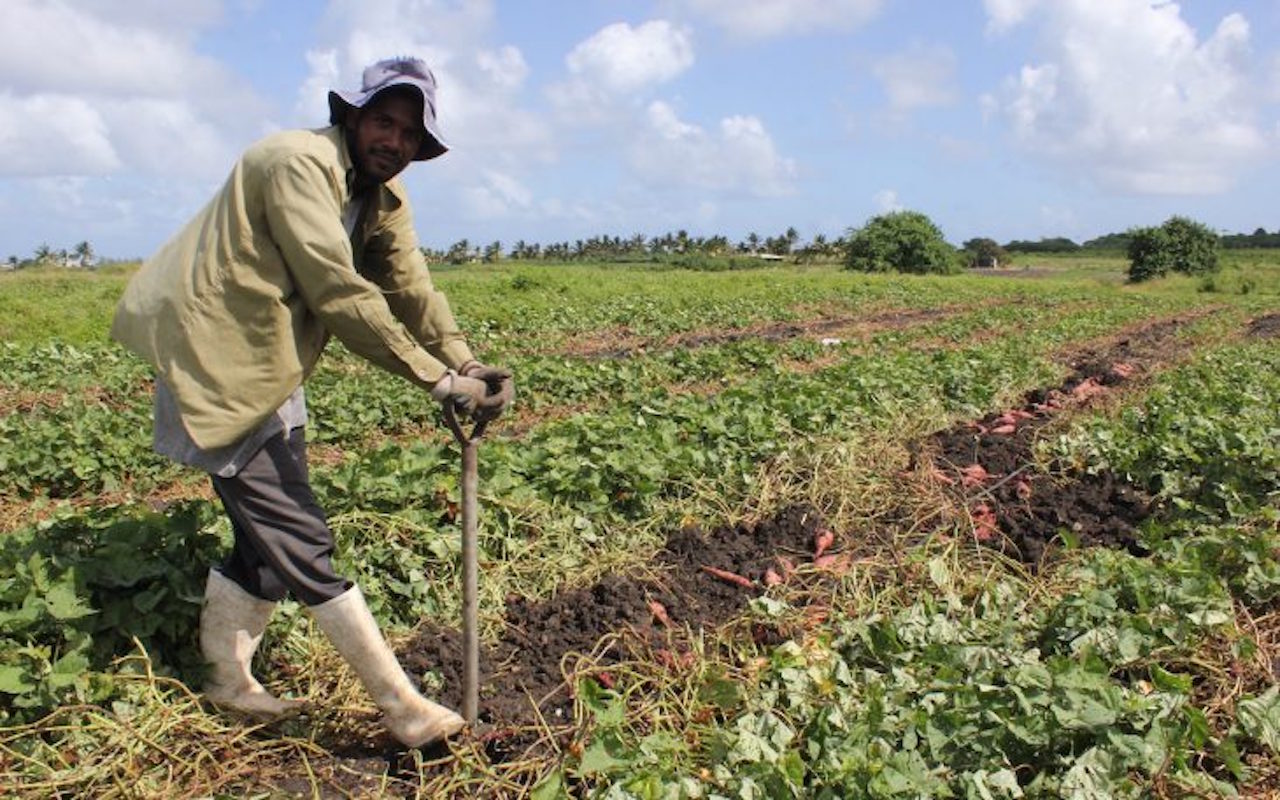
[(470, 396), (502, 387)]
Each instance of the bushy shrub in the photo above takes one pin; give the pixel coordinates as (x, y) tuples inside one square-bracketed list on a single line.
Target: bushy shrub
[(901, 241), (1179, 245), (983, 252)]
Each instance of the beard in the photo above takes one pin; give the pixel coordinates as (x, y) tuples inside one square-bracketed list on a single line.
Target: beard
[(382, 165)]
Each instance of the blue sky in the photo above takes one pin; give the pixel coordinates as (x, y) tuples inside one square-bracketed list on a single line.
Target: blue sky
[(1011, 119)]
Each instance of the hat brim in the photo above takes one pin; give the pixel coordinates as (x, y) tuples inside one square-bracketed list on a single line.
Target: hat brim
[(433, 145)]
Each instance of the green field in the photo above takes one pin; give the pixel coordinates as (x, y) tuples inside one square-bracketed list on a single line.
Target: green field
[(925, 660)]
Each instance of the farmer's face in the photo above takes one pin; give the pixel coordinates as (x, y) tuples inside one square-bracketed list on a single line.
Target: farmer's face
[(386, 134)]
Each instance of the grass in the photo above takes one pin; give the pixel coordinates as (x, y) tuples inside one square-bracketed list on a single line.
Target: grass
[(45, 304)]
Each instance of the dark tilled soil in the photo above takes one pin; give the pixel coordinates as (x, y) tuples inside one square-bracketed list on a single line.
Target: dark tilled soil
[(527, 663), (1265, 327), (1022, 511)]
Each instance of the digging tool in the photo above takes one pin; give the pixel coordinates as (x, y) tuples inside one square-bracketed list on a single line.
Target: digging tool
[(470, 603)]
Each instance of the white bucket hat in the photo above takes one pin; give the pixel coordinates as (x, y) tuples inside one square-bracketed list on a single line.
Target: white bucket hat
[(395, 72)]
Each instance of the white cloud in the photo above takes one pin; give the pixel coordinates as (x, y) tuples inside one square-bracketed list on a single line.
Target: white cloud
[(740, 156), (761, 19), (1005, 14), (620, 58), (497, 196), (1128, 95), (617, 64), (104, 86), (505, 67), (919, 77), (166, 15), (886, 201), (54, 135)]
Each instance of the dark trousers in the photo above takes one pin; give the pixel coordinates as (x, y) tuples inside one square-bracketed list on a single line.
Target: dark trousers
[(283, 543)]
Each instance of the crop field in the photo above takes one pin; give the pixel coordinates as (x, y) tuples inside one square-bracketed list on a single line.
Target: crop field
[(766, 533)]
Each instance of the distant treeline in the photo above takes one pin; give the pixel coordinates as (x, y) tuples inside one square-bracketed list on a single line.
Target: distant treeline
[(1120, 241)]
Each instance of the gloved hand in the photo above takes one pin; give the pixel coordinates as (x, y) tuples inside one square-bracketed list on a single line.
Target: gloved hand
[(501, 386), (469, 395)]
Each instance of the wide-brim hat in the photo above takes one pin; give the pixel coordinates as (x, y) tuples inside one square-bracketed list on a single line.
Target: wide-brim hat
[(395, 72)]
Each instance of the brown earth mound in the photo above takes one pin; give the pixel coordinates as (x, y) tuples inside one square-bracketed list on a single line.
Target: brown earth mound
[(990, 462), (703, 579), (1265, 327)]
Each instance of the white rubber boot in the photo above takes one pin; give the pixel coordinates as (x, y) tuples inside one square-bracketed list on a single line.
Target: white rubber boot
[(231, 626), (414, 720)]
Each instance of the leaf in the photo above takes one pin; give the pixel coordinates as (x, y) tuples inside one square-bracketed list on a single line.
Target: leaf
[(64, 604), (719, 690), (1209, 617), (1091, 777), (1001, 783), (608, 709), (550, 788), (15, 680), (1167, 681), (939, 573), (1229, 755), (603, 756), (1259, 718), (148, 600)]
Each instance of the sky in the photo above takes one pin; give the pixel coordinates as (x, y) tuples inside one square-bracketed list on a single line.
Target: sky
[(1006, 119)]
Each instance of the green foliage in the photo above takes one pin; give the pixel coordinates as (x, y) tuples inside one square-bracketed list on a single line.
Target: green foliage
[(71, 306), (1110, 241), (900, 241), (983, 252), (83, 428), (1206, 439), (81, 591), (980, 690), (1056, 244), (1179, 245), (1260, 238)]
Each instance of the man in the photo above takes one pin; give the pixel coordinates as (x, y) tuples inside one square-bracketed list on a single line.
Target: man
[(311, 236)]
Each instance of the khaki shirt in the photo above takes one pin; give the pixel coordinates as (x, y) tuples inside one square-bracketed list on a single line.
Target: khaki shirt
[(234, 311)]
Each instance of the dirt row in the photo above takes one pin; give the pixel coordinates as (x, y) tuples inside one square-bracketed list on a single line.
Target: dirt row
[(989, 463), (621, 343), (702, 579)]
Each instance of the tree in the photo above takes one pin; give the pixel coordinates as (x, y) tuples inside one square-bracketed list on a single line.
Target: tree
[(900, 241), (982, 252), (459, 252), (1057, 244), (84, 254), (1179, 245)]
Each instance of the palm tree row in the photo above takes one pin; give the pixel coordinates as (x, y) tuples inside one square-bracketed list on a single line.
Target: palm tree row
[(638, 247)]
